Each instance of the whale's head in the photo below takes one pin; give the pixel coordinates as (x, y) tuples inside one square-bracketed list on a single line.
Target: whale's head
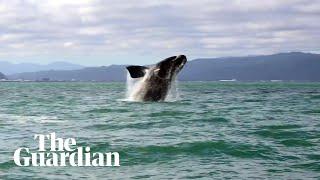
[(166, 69), (170, 67), (156, 80)]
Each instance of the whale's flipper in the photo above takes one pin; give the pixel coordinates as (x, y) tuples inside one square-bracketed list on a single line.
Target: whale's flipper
[(137, 71)]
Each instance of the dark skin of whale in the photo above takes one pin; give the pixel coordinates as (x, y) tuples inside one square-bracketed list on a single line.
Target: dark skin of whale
[(157, 80)]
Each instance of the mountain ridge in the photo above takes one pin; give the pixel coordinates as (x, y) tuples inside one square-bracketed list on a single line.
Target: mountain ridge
[(2, 76), (12, 68), (293, 66)]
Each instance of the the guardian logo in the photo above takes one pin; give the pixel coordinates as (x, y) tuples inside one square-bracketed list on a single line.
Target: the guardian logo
[(62, 153)]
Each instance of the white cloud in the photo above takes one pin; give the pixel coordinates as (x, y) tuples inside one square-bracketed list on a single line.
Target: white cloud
[(156, 28), (68, 44)]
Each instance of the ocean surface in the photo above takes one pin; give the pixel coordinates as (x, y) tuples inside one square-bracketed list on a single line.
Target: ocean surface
[(213, 130)]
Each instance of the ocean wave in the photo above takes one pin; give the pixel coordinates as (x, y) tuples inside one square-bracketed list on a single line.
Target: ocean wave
[(149, 154), (7, 165), (21, 119), (107, 110)]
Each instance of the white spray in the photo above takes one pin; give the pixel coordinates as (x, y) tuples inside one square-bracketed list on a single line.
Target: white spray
[(173, 94), (134, 86)]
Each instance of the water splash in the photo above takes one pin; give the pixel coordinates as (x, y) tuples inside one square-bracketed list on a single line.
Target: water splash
[(130, 85), (173, 94), (134, 85)]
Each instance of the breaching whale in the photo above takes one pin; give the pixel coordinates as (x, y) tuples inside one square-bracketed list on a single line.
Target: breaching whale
[(156, 80)]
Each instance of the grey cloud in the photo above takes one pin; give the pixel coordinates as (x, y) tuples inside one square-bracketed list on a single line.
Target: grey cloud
[(197, 27)]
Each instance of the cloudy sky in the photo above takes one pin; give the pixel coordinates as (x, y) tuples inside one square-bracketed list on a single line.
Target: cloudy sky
[(103, 32)]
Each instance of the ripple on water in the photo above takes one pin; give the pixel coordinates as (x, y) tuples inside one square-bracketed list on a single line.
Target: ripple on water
[(312, 111), (169, 113), (107, 110), (282, 134), (234, 130), (151, 154), (296, 143), (308, 165), (212, 120), (7, 165), (315, 97), (133, 125), (288, 135)]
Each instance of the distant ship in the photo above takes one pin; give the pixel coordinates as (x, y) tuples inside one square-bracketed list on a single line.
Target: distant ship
[(227, 80), (276, 80)]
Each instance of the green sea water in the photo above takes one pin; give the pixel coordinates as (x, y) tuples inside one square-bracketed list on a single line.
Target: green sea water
[(214, 130)]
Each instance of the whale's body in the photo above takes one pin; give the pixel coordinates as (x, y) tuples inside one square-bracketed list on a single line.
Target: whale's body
[(156, 81)]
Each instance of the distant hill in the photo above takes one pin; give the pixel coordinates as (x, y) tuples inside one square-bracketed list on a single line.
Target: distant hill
[(295, 66), (109, 73), (10, 68), (2, 76)]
